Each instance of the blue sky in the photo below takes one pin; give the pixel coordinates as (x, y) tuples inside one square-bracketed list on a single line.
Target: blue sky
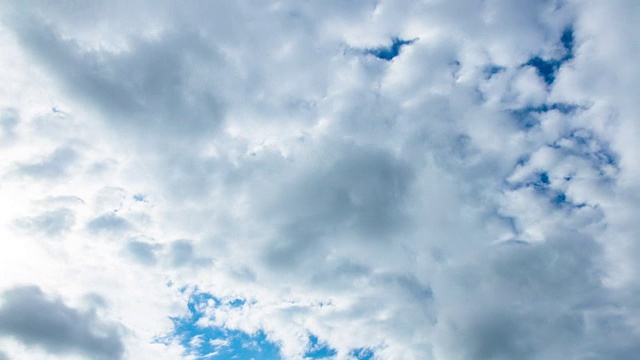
[(371, 179), (218, 342)]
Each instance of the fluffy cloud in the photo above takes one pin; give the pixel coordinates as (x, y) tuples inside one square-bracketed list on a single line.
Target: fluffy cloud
[(392, 180), (29, 316)]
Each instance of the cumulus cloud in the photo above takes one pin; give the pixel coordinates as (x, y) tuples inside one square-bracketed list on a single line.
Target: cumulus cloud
[(52, 166), (28, 315), (377, 179), (8, 122), (51, 223), (142, 251), (108, 223)]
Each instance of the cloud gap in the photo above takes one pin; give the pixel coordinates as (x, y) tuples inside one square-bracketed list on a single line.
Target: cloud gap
[(388, 53), (217, 342), (548, 68)]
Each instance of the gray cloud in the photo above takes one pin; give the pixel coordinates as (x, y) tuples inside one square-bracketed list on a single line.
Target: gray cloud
[(452, 203), (181, 253), (29, 316), (52, 223), (108, 223), (153, 86), (359, 194), (55, 165), (142, 251), (554, 290), (9, 119)]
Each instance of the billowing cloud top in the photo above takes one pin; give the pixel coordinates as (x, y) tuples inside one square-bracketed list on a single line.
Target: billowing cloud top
[(332, 179)]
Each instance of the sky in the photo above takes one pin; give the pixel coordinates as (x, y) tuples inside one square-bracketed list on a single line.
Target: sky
[(280, 179)]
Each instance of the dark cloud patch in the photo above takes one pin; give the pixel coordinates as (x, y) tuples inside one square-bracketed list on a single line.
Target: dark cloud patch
[(182, 253), (554, 289), (362, 189), (567, 268), (51, 223), (568, 41), (358, 195), (375, 185), (32, 318), (341, 273), (500, 336), (405, 284), (55, 165), (108, 223), (143, 252), (153, 85)]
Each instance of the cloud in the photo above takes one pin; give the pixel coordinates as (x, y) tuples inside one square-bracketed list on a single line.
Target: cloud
[(52, 223), (29, 316), (55, 165), (182, 253), (392, 180), (108, 223)]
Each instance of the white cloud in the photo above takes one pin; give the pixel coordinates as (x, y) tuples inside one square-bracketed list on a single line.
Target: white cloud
[(451, 203)]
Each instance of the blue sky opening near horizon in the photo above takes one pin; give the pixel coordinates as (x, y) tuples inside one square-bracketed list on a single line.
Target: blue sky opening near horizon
[(219, 343)]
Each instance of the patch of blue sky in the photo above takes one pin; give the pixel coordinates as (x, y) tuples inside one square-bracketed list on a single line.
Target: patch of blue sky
[(237, 302), (585, 144), (140, 198), (387, 53), (213, 342), (543, 185), (544, 179), (568, 41), (318, 350), (541, 182), (561, 200), (547, 68), (491, 70), (362, 354), (527, 116)]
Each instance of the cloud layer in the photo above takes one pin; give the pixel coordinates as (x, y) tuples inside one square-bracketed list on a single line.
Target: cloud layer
[(373, 179)]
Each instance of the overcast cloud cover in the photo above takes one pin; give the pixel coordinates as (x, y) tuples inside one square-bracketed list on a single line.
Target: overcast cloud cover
[(320, 179)]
